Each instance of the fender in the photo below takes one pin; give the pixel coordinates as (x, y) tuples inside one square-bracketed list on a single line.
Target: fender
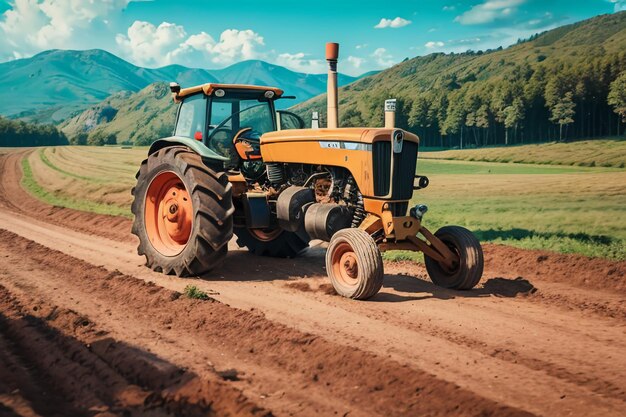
[(196, 146)]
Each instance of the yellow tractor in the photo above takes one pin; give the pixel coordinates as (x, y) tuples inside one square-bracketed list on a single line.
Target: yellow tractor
[(235, 165)]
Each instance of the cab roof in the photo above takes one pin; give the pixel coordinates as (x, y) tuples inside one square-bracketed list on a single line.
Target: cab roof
[(209, 88)]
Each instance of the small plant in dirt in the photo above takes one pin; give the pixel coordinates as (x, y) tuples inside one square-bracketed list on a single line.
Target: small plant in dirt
[(192, 291)]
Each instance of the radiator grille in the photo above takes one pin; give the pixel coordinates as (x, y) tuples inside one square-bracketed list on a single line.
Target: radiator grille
[(404, 164), (381, 152)]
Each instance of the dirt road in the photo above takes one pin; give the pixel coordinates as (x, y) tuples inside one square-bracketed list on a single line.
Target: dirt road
[(86, 329)]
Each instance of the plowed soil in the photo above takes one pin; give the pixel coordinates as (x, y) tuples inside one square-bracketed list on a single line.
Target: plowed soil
[(86, 329)]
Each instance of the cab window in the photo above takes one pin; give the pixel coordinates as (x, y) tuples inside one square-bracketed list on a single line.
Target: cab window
[(229, 115), (192, 118), (255, 116)]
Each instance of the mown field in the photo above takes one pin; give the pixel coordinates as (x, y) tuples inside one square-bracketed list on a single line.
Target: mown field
[(569, 209), (592, 153)]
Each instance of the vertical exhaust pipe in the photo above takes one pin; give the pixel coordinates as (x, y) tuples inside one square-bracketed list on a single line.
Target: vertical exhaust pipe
[(332, 54), (390, 113)]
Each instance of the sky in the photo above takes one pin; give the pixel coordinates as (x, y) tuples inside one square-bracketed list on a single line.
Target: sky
[(216, 33)]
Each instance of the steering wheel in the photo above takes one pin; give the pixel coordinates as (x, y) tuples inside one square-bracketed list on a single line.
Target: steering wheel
[(244, 142), (226, 120)]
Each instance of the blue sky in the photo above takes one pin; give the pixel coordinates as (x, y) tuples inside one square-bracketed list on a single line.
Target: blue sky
[(216, 33)]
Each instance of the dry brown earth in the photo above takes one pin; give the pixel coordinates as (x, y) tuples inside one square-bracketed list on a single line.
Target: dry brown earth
[(85, 329)]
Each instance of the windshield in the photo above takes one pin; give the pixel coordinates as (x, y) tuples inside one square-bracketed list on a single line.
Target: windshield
[(228, 116), (192, 117)]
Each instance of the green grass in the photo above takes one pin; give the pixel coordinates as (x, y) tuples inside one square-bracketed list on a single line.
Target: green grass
[(588, 222), (191, 291), (403, 255), (32, 186), (429, 167), (588, 153)]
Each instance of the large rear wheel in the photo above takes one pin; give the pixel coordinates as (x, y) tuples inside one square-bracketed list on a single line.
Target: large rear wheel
[(464, 274), (183, 213), (274, 242), (354, 264)]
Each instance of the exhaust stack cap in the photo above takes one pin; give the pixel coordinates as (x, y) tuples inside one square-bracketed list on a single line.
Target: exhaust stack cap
[(332, 51), (390, 113), (390, 105), (174, 88)]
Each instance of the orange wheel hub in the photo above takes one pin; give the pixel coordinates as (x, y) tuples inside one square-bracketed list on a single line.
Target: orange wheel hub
[(169, 214), (345, 265), (265, 235)]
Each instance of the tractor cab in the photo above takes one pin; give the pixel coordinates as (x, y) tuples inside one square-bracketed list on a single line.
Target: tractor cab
[(230, 119)]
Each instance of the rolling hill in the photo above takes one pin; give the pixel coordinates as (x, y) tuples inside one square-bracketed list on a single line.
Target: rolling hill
[(137, 117), (498, 96), (55, 84)]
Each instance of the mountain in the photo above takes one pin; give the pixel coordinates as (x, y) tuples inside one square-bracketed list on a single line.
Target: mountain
[(55, 84), (524, 92), (132, 117)]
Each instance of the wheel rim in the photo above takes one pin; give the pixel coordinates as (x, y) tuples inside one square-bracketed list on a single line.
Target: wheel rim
[(345, 265), (265, 235), (169, 213)]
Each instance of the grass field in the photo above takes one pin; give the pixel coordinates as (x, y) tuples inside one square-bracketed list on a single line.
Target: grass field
[(592, 153), (569, 209)]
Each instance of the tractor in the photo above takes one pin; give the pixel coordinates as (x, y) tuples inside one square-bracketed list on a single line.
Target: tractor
[(236, 166)]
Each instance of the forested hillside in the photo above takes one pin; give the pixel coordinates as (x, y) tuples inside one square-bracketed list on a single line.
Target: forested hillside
[(16, 133), (566, 83), (138, 118)]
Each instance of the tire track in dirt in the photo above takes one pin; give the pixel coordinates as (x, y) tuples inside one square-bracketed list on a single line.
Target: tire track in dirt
[(94, 374), (363, 380), (509, 354)]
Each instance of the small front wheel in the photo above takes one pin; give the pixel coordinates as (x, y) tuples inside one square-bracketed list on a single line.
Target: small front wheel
[(354, 264), (464, 274)]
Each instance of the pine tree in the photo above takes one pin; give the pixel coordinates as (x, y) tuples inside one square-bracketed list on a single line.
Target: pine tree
[(617, 97), (563, 112)]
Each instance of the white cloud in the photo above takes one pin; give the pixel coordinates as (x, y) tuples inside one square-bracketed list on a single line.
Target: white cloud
[(361, 46), (299, 62), (434, 44), (29, 26), (356, 61), (147, 44), (489, 11), (235, 45), (448, 8), (398, 22), (383, 58), (619, 5)]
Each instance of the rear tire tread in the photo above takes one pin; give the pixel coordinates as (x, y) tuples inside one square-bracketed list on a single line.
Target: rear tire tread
[(210, 192)]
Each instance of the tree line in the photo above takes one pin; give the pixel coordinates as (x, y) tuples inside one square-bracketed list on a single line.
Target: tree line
[(95, 138), (17, 133), (562, 100)]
